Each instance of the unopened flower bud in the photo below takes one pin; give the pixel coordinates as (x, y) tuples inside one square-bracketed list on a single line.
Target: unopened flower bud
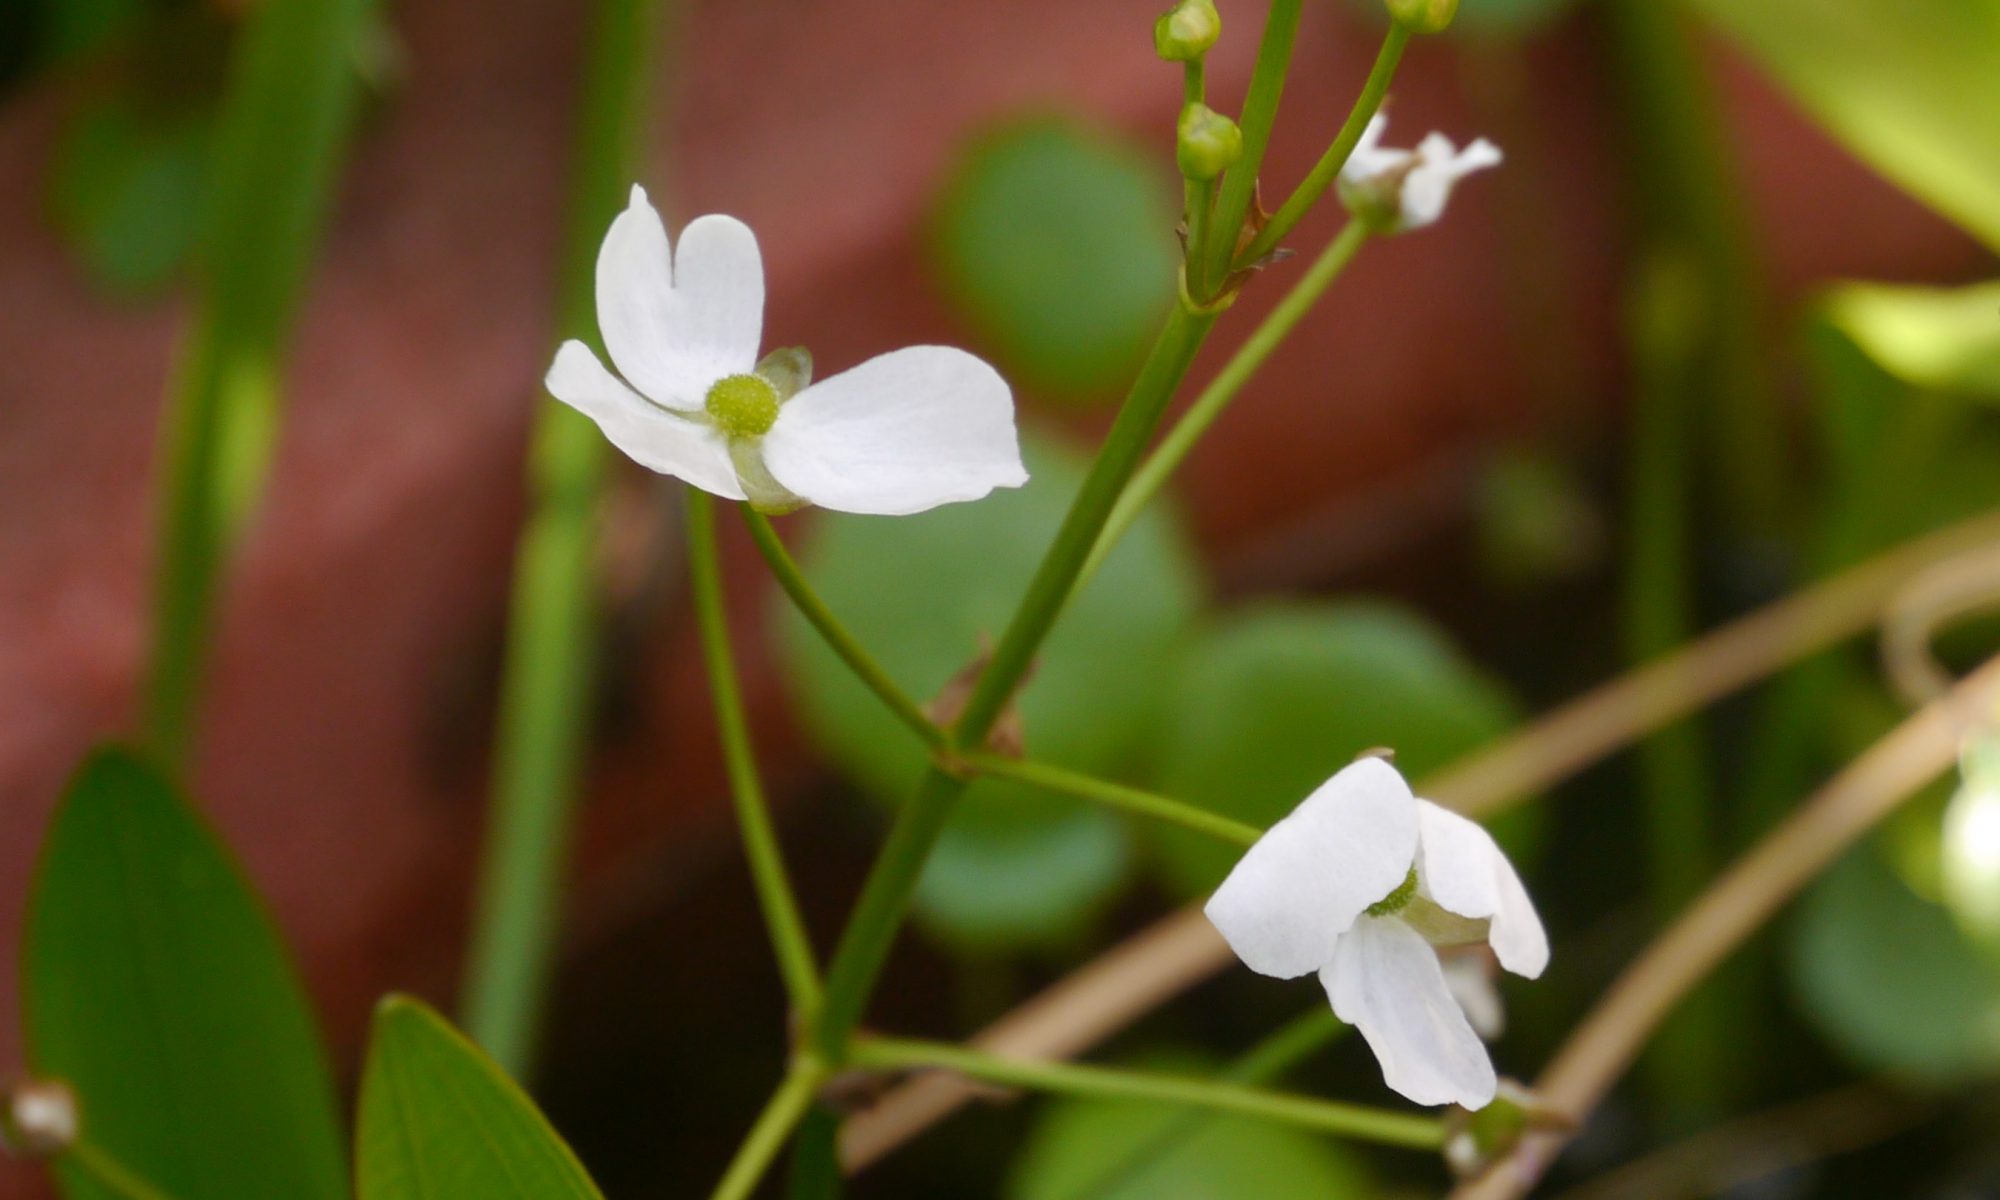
[(39, 1119), (1185, 33), (1210, 143), (1423, 16)]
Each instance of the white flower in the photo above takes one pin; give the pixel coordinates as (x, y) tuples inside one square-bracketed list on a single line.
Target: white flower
[(1358, 883), (900, 433), (1399, 190)]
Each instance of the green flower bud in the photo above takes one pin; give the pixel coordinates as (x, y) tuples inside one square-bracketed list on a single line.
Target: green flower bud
[(1423, 16), (1186, 33), (1210, 143)]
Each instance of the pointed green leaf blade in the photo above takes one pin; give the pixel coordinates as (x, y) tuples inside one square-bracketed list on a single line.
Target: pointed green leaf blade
[(439, 1121), (157, 986)]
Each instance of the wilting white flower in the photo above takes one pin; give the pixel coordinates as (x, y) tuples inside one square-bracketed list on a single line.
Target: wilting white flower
[(900, 433), (1397, 190), (1359, 883)]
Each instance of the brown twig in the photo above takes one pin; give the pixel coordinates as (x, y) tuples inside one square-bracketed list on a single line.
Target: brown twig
[(1734, 907), (1181, 950)]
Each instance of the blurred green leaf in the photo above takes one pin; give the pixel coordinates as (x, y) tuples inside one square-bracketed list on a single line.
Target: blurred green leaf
[(1890, 980), (1942, 339), (1057, 240), (923, 593), (156, 985), (1911, 86), (127, 191), (1115, 1150), (69, 28), (1490, 17), (439, 1121), (1277, 699)]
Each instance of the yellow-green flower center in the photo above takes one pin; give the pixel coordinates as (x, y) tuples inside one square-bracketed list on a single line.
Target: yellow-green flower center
[(743, 406), (1397, 900)]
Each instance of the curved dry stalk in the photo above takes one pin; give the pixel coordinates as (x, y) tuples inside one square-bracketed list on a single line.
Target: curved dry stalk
[(1734, 907), (1182, 949), (1762, 1144)]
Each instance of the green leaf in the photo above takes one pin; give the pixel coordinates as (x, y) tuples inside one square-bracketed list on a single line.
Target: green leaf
[(157, 986), (127, 191), (1133, 1150), (1890, 980), (439, 1121), (1057, 240), (1911, 86), (1941, 339), (1279, 698), (923, 592)]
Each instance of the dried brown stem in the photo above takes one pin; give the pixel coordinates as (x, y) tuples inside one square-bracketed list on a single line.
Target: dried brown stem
[(1734, 907)]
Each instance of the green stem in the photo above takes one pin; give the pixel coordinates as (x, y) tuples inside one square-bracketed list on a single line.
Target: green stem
[(282, 128), (1180, 441), (1266, 1062), (1115, 795), (760, 840), (838, 638), (885, 897), (1327, 169), (546, 682), (787, 1107), (1325, 1116), (1200, 195), (1260, 112), (101, 1168)]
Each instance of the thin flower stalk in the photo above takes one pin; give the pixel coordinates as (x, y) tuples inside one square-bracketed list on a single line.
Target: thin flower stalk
[(1071, 1079)]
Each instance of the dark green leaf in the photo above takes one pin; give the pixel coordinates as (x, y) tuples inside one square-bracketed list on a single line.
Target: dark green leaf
[(1058, 242), (1911, 86), (156, 985), (923, 593), (1278, 699), (439, 1121)]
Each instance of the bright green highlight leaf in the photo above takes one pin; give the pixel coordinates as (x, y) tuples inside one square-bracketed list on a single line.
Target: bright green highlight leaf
[(1057, 240), (1911, 86), (1942, 339), (1015, 865), (1279, 698), (1891, 981), (156, 985), (439, 1121), (1133, 1150)]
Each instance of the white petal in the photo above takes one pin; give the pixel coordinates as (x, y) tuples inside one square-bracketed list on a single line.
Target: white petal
[(654, 439), (1455, 861), (1429, 185), (1368, 159), (1302, 884), (899, 434), (1466, 872), (1469, 977), (1385, 981), (674, 328)]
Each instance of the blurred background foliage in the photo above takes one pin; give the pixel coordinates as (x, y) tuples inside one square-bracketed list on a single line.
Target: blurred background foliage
[(1045, 237)]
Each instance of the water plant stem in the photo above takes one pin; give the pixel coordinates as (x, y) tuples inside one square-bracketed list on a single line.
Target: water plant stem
[(1325, 1116), (753, 814)]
